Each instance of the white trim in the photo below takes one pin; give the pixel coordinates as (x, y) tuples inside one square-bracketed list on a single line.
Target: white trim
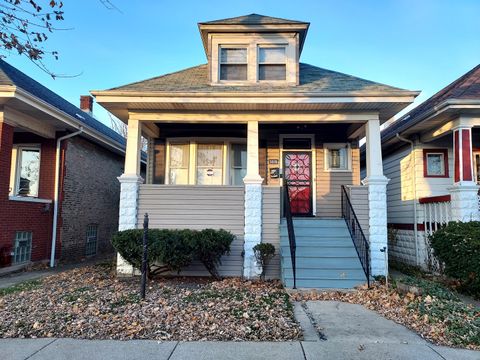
[(29, 199), (434, 152), (192, 145), (336, 146), (314, 162)]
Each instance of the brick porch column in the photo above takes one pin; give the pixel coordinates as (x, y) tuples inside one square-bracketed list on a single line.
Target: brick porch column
[(464, 198), (129, 184), (253, 204), (377, 199)]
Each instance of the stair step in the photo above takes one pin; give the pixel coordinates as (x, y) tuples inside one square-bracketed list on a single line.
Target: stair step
[(320, 252), (322, 263), (325, 273), (320, 244), (324, 283), (320, 232), (316, 222)]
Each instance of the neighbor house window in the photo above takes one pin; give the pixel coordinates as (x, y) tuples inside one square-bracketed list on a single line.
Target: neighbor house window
[(435, 162), (209, 164), (25, 171), (91, 243), (238, 163), (22, 248), (272, 63), (233, 63), (337, 157), (179, 155)]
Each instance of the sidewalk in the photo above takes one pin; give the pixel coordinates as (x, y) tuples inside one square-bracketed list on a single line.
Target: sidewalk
[(53, 349)]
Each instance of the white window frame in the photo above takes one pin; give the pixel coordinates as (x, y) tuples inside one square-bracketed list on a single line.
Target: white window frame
[(192, 169), (336, 146), (220, 63), (15, 170), (444, 165), (284, 46)]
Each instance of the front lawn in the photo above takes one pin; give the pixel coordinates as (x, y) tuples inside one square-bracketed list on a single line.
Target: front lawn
[(91, 303)]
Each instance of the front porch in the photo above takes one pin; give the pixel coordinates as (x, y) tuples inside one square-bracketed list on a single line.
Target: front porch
[(230, 176)]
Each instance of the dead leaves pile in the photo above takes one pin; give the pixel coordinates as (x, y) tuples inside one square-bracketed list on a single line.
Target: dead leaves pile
[(417, 312), (91, 303)]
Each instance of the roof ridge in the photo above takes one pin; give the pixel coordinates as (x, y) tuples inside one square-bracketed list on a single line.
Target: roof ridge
[(246, 16), (158, 76)]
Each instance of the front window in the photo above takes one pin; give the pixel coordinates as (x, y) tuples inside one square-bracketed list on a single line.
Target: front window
[(233, 64), (238, 162), (179, 164), (272, 63), (26, 173), (436, 163), (209, 164), (337, 157)]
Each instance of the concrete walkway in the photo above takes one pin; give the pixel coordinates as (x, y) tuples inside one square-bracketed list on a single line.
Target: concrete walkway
[(333, 330), (61, 349)]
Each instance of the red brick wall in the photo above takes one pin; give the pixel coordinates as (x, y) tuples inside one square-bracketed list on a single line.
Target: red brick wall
[(26, 216)]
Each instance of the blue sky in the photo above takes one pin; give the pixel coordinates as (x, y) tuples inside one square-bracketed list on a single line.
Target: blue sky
[(412, 44)]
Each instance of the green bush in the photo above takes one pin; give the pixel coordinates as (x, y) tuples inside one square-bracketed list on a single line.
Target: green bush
[(173, 250), (457, 245), (264, 252)]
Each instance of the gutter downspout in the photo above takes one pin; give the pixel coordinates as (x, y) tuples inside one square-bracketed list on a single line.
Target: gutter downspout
[(415, 222), (56, 191)]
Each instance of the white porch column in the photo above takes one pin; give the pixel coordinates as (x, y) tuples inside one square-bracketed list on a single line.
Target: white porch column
[(464, 198), (130, 181), (377, 199), (253, 203)]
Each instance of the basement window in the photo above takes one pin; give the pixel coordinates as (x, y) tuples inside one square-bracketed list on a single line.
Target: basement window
[(22, 247), (91, 243)]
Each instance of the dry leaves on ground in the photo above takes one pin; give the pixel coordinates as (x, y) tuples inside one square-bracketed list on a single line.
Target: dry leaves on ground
[(92, 303)]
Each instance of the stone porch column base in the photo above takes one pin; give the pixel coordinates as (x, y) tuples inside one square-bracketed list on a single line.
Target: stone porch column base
[(253, 226), (464, 202), (127, 219), (377, 220)]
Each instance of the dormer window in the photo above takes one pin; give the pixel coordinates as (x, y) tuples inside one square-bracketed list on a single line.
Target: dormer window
[(272, 63), (233, 63)]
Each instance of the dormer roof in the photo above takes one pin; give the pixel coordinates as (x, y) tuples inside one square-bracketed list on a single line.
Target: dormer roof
[(253, 23)]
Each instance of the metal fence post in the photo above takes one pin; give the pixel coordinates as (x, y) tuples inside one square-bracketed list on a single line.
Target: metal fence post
[(145, 257)]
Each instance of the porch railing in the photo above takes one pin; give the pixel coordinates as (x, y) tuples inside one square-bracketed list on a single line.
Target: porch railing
[(436, 212), (291, 232), (359, 240)]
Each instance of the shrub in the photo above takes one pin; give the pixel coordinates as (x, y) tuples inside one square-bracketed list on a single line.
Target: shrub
[(457, 245), (173, 250), (264, 252)]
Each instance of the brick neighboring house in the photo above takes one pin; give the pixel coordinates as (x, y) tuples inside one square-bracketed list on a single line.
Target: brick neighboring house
[(46, 143)]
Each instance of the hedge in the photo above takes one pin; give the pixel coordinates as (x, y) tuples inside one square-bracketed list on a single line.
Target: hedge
[(173, 250), (457, 245)]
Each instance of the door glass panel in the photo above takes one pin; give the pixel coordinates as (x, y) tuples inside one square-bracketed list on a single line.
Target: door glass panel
[(239, 163), (210, 164), (297, 173), (179, 161)]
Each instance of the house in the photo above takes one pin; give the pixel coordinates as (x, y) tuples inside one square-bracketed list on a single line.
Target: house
[(432, 157), (225, 136), (58, 175)]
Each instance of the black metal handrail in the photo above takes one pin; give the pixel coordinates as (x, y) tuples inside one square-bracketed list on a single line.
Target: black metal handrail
[(359, 240), (291, 232)]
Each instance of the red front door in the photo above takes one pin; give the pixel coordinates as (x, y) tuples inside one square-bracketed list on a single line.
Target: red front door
[(297, 171)]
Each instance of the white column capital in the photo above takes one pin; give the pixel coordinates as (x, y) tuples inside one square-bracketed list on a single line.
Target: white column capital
[(130, 178), (375, 180)]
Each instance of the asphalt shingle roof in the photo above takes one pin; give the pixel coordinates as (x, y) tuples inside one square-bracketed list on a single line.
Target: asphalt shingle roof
[(10, 75), (312, 80), (252, 19), (467, 87)]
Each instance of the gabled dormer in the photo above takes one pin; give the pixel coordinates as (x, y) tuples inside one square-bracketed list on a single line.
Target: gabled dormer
[(253, 49)]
